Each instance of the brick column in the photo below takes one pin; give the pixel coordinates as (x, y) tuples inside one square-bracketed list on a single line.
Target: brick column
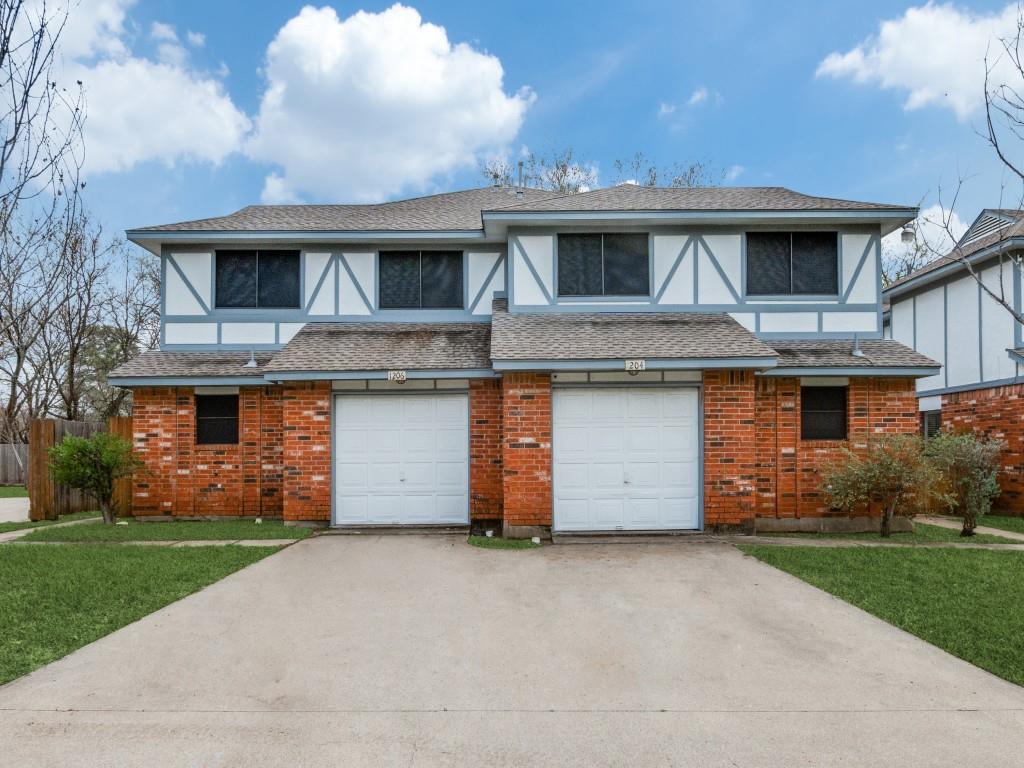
[(526, 406), (485, 481), (153, 437), (730, 449), (307, 451)]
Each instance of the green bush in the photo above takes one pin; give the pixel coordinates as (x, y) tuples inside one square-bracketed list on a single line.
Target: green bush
[(92, 464), (968, 465), (892, 472)]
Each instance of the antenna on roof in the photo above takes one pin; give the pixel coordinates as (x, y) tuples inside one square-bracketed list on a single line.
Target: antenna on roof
[(519, 186), (857, 352), (252, 359)]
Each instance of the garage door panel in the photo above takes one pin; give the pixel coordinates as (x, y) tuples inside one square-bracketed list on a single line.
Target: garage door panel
[(402, 459), (604, 437)]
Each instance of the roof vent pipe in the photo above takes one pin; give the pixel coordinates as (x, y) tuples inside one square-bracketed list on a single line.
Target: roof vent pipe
[(252, 359), (519, 186), (856, 347)]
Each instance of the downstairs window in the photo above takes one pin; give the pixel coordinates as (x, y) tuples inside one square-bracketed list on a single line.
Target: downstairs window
[(823, 413), (216, 419)]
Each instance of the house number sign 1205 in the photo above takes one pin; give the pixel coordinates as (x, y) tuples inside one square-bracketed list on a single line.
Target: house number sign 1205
[(634, 366), (396, 376)]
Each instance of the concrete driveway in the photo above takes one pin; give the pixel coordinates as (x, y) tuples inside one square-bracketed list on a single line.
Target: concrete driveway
[(421, 651)]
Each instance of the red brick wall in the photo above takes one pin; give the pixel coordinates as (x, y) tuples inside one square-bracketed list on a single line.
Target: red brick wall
[(789, 469), (185, 479), (729, 448), (306, 415), (485, 459), (996, 412), (526, 405)]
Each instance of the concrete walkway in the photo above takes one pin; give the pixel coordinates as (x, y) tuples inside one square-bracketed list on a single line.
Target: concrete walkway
[(189, 543), (956, 525), (10, 536), (425, 651), (14, 510), (821, 540)]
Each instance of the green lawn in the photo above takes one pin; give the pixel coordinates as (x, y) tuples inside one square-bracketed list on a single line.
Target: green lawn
[(56, 599), (495, 542), (13, 492), (5, 527), (922, 533), (968, 602), (135, 530), (1015, 524)]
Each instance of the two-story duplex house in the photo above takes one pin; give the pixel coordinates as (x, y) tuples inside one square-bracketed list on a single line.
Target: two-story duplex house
[(625, 359), (942, 311)]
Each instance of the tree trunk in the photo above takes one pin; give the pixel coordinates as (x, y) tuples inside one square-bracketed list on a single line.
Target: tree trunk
[(970, 523), (887, 514), (108, 512)]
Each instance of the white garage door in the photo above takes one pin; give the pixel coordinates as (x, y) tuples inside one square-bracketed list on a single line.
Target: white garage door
[(401, 459), (626, 459)]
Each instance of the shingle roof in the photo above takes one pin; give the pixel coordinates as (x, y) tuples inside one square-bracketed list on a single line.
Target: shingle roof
[(204, 364), (1012, 229), (385, 346), (447, 211), (632, 197), (463, 210), (828, 353), (620, 335)]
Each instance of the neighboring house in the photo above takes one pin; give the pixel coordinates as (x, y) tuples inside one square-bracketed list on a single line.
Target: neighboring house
[(943, 312), (623, 359)]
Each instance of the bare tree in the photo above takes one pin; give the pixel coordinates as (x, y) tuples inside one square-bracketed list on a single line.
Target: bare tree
[(641, 170), (554, 171)]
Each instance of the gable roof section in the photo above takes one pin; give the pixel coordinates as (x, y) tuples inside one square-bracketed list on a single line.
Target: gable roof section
[(162, 367), (837, 355), (994, 227)]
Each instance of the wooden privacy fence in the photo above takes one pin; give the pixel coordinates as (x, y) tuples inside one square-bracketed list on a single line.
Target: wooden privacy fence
[(48, 499), (13, 463)]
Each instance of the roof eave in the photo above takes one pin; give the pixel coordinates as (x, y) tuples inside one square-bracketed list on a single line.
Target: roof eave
[(890, 371), (619, 364), (939, 273)]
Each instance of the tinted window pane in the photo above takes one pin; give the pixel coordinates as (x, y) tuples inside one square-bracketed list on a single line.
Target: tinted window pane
[(400, 280), (626, 268), (815, 262), (279, 279), (216, 419), (768, 263), (579, 265), (236, 279), (442, 280), (823, 413)]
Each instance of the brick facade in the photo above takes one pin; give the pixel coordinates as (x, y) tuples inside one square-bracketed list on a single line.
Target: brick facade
[(788, 469), (526, 408), (997, 412), (485, 454), (754, 461), (188, 480)]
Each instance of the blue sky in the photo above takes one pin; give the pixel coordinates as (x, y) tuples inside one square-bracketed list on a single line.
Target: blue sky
[(734, 83)]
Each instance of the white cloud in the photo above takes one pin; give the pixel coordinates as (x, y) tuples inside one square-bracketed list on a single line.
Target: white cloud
[(139, 109), (933, 52), (195, 39), (699, 96), (369, 106), (665, 109), (931, 232), (733, 172)]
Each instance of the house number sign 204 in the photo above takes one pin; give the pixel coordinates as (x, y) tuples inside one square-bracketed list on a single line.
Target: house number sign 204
[(634, 366)]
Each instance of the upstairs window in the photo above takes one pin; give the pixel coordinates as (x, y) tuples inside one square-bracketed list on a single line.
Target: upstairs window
[(258, 279), (216, 419), (421, 280), (792, 263), (603, 265), (823, 413)]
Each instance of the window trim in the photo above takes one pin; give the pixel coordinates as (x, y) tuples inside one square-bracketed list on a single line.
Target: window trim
[(465, 281), (237, 419), (790, 296), (600, 297), (301, 306), (846, 413)]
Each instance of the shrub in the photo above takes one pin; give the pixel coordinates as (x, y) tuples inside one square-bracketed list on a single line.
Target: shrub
[(968, 465), (893, 472), (92, 464)]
